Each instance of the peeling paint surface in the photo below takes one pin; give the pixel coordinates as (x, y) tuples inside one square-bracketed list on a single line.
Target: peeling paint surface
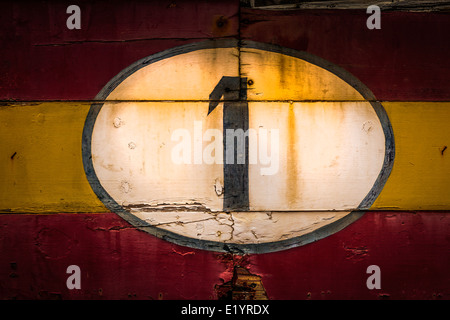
[(240, 227), (52, 217), (116, 259), (243, 286), (152, 157)]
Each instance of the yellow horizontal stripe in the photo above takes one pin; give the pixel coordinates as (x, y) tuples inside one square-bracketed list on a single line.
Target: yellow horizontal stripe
[(41, 167), (420, 177)]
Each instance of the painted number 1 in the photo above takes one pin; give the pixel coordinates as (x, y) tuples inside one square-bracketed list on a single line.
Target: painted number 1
[(235, 120)]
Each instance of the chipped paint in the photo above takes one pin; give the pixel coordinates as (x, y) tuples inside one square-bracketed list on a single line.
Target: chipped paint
[(243, 286), (44, 107), (329, 158), (253, 227)]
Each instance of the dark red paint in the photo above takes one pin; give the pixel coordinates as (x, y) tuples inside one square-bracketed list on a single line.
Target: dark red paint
[(119, 262), (41, 59), (406, 60)]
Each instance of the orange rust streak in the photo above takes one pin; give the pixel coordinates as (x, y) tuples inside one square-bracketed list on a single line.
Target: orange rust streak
[(291, 157)]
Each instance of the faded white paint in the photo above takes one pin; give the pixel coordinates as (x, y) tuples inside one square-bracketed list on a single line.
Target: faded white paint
[(330, 156), (239, 227), (330, 153)]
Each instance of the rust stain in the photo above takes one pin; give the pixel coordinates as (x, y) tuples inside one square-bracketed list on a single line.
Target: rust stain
[(292, 156), (172, 5), (243, 286), (221, 26)]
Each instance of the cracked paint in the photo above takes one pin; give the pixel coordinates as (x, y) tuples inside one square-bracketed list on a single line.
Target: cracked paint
[(327, 147), (43, 171), (243, 286), (235, 227)]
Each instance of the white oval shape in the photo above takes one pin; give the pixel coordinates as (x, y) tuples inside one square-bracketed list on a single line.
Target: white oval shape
[(155, 147)]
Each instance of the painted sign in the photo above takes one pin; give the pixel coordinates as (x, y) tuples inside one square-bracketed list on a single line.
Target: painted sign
[(52, 221), (199, 146)]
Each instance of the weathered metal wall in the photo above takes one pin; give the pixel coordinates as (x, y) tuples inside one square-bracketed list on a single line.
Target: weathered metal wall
[(54, 214)]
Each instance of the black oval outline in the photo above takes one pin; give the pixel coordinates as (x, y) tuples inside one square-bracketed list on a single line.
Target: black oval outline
[(217, 246)]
